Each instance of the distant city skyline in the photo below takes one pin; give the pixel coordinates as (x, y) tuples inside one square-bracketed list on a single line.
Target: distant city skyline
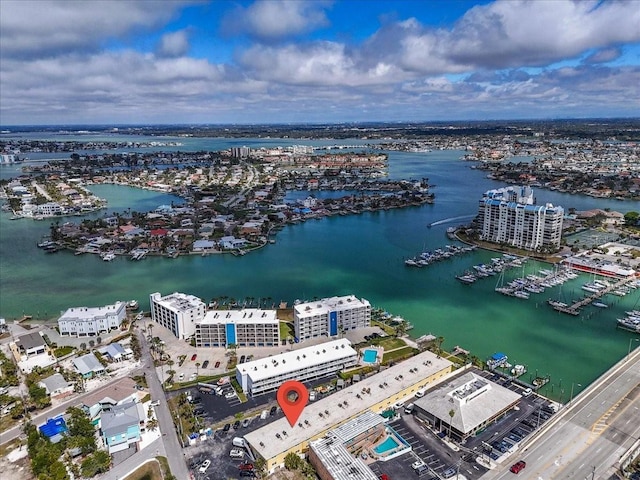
[(316, 61)]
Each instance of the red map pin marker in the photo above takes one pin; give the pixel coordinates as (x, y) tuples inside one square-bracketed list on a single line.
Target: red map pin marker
[(292, 397)]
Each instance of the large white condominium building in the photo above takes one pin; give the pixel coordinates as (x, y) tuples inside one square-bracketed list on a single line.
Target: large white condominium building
[(509, 215), (178, 312), (250, 327), (84, 321), (267, 374), (330, 316)]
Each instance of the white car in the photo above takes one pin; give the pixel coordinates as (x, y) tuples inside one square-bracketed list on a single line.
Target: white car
[(204, 466), (155, 403), (417, 464), (231, 394), (236, 453)]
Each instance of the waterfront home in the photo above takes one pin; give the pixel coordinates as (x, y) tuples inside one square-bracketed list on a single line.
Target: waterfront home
[(56, 386), (121, 427), (85, 321), (203, 245), (88, 366), (230, 242)]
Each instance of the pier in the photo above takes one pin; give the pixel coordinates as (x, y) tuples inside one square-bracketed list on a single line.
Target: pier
[(574, 308)]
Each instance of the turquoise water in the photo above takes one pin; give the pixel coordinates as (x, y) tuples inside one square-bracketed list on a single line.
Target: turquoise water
[(369, 356), (389, 444), (361, 255)]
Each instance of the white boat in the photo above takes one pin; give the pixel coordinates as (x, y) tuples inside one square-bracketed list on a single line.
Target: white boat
[(107, 257), (600, 304), (521, 294)]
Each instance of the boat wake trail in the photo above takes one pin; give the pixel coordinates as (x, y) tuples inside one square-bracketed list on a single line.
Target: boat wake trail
[(451, 219)]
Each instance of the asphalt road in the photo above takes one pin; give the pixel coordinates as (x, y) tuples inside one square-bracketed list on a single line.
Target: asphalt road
[(172, 445), (588, 438)]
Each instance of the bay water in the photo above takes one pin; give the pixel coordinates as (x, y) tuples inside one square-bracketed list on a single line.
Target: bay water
[(361, 254)]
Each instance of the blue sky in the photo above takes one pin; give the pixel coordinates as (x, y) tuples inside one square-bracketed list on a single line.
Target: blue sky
[(316, 61)]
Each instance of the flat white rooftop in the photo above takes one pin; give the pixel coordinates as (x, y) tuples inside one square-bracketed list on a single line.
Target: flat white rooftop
[(335, 409), (179, 302), (331, 304), (296, 360), (90, 313), (475, 400), (246, 316)]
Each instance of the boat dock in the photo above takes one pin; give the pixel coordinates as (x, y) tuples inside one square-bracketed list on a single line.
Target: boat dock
[(574, 308)]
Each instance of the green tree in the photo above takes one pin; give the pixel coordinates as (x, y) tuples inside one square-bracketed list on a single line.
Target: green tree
[(292, 461), (39, 396), (452, 413), (631, 218)]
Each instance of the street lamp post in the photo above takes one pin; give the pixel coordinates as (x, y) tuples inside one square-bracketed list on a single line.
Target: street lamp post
[(571, 396), (629, 350)]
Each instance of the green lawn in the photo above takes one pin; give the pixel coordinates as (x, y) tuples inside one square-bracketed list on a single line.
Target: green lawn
[(286, 330), (148, 471), (400, 353)]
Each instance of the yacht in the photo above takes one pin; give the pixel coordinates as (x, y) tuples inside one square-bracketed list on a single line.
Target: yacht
[(107, 257), (599, 304)]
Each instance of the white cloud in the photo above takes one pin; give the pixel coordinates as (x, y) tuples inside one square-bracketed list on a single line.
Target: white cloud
[(274, 19), (37, 28), (174, 44)]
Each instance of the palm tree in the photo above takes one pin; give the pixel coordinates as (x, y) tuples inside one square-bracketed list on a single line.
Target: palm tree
[(452, 413)]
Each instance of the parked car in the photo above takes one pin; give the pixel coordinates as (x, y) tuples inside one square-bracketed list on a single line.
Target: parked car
[(449, 472), (226, 427), (204, 466), (236, 424), (230, 394), (417, 464), (246, 422), (155, 403), (236, 453), (248, 473), (518, 466), (217, 364), (273, 410), (246, 466), (242, 358), (193, 357)]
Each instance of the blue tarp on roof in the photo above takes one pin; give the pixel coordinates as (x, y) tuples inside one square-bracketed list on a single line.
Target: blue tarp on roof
[(498, 356), (53, 427)]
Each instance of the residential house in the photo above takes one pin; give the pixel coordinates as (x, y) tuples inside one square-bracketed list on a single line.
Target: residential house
[(121, 427), (88, 366), (116, 352), (56, 386), (31, 344)]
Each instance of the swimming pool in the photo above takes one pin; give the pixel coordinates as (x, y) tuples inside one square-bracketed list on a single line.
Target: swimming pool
[(389, 444), (369, 356)]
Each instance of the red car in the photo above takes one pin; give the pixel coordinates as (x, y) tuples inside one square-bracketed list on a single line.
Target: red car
[(384, 476), (193, 357), (518, 466), (246, 466), (217, 365)]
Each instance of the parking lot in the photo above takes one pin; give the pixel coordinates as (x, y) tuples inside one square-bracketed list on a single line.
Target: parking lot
[(218, 446), (496, 443)]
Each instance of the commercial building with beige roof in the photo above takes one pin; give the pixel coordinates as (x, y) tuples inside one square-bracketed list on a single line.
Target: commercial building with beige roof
[(376, 393)]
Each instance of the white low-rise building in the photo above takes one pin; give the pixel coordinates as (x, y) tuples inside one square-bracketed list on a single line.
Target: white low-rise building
[(267, 374), (330, 316), (85, 321), (250, 327)]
